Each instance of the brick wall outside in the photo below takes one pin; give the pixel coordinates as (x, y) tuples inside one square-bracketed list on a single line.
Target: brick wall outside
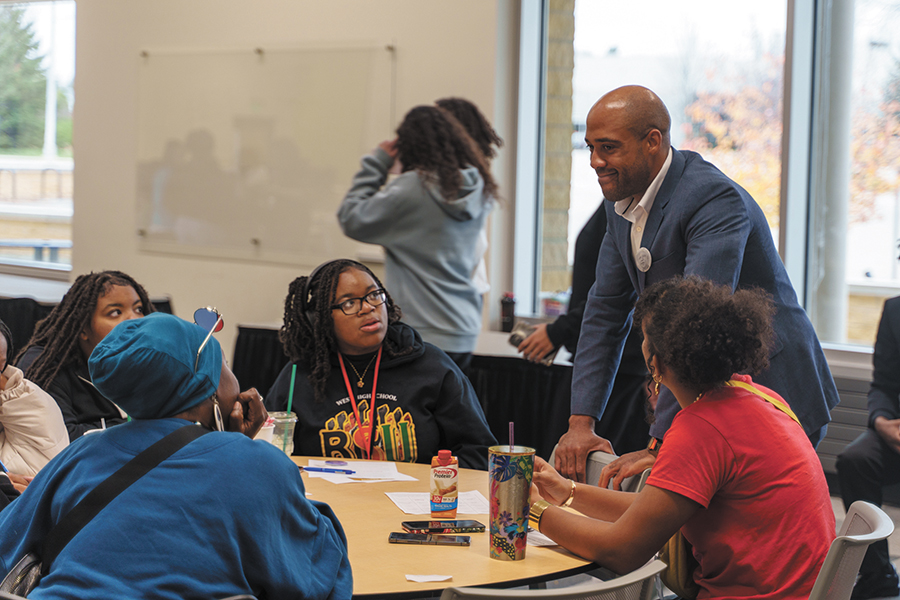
[(555, 273)]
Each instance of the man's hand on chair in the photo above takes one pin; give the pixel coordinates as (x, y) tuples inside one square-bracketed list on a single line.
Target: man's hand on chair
[(626, 465), (575, 445)]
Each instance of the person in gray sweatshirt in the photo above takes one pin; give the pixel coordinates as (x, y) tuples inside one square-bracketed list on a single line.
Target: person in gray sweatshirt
[(428, 219)]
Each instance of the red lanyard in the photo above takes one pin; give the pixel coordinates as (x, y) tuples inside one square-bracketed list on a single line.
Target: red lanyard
[(362, 438)]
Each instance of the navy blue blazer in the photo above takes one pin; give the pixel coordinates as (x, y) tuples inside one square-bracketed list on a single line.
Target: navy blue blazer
[(701, 223)]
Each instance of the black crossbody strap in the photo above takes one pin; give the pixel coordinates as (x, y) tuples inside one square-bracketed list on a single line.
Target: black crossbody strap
[(63, 532)]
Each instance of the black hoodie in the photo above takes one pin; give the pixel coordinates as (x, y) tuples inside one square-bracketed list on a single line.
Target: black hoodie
[(424, 404)]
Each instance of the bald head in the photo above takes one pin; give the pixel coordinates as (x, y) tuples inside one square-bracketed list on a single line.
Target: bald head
[(628, 135), (639, 109)]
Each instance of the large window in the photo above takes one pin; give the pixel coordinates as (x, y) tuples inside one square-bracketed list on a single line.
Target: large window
[(717, 66), (872, 271), (720, 68), (37, 67)]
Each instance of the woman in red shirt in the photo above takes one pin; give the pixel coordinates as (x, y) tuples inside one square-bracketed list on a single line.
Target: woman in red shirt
[(736, 473)]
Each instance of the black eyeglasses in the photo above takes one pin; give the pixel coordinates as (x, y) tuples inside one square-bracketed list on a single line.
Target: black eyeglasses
[(352, 306), (207, 318)]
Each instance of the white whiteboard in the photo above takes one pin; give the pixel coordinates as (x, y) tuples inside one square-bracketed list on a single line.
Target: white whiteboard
[(247, 154)]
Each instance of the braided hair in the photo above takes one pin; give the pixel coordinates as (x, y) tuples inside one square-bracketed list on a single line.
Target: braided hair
[(308, 331), (477, 126), (432, 142), (58, 333)]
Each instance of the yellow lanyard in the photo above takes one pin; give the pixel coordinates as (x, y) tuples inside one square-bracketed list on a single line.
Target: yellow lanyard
[(775, 401)]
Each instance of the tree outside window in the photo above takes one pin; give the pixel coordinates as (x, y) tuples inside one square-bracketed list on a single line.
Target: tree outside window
[(36, 100)]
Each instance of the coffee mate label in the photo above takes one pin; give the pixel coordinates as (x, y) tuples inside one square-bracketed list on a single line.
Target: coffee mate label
[(444, 493)]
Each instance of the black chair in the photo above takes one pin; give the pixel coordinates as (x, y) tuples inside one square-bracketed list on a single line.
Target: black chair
[(21, 315)]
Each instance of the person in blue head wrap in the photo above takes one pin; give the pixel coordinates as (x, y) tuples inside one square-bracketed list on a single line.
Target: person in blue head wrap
[(225, 515)]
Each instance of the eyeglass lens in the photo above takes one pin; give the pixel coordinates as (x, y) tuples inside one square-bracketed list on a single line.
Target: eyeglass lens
[(352, 306)]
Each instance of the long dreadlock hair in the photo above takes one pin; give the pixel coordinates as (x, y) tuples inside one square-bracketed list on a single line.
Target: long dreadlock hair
[(308, 331), (477, 126), (58, 333), (432, 142)]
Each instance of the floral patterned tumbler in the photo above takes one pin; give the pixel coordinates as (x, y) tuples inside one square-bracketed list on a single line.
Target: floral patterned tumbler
[(510, 469)]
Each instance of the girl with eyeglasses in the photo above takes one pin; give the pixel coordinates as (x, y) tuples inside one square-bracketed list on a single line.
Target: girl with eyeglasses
[(343, 335), (429, 221)]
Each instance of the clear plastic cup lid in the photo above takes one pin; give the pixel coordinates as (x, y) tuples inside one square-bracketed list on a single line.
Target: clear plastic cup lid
[(283, 417)]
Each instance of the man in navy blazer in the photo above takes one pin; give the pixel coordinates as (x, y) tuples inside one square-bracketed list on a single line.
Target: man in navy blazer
[(872, 460), (672, 213)]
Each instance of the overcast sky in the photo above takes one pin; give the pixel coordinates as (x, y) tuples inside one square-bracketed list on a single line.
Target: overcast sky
[(41, 14)]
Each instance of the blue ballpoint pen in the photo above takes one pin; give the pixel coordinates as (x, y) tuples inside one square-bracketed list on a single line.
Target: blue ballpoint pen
[(327, 470)]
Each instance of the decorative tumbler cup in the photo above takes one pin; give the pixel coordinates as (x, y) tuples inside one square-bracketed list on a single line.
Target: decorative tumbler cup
[(510, 470)]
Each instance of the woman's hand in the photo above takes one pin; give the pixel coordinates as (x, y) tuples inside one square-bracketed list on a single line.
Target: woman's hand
[(248, 414), (553, 487), (390, 147), (20, 482), (626, 465), (534, 494)]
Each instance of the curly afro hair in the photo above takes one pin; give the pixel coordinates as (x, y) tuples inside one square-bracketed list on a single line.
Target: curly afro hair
[(308, 331), (703, 332), (432, 142)]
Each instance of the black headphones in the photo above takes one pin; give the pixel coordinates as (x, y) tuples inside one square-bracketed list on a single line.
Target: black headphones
[(306, 293)]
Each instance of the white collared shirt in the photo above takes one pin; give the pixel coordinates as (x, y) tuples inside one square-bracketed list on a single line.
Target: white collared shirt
[(637, 213)]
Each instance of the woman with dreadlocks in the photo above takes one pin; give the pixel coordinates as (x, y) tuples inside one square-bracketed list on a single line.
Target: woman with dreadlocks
[(56, 356), (364, 384), (428, 220)]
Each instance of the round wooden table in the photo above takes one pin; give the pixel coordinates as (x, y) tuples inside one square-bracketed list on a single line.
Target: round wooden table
[(379, 568)]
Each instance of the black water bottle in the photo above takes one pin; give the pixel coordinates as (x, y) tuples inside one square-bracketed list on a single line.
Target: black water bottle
[(507, 311)]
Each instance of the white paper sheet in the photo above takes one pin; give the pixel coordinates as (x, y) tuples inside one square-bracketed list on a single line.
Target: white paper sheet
[(418, 503), (536, 538), (369, 471), (428, 578)]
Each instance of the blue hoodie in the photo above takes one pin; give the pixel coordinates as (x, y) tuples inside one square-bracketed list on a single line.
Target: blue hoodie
[(430, 245)]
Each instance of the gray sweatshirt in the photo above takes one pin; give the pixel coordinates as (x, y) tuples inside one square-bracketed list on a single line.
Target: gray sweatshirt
[(430, 245)]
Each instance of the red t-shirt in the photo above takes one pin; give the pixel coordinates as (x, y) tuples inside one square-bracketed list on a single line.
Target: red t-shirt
[(767, 520)]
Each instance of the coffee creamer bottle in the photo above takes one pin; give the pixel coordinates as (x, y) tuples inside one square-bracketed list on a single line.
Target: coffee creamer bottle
[(444, 479)]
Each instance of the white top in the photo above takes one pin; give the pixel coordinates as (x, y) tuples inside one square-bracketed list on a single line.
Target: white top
[(32, 430)]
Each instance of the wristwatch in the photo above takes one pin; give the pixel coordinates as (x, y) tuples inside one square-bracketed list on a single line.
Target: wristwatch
[(654, 445)]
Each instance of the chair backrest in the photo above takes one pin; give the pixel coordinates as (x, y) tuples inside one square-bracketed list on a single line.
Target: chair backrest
[(637, 585), (21, 315), (864, 524), (595, 463)]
